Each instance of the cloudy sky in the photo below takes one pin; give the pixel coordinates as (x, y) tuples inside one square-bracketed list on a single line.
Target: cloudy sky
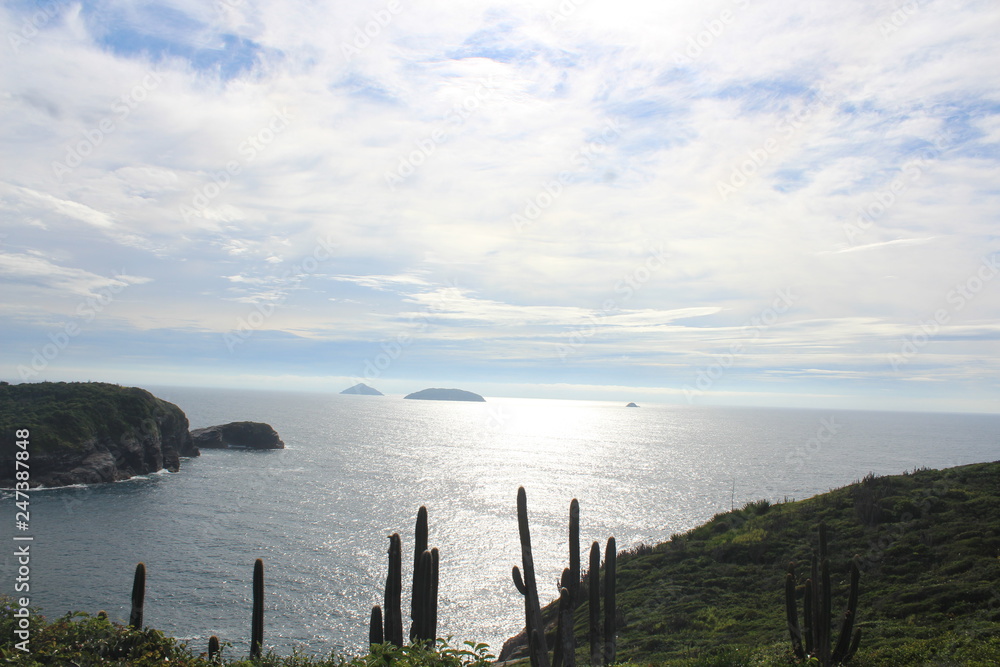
[(756, 202)]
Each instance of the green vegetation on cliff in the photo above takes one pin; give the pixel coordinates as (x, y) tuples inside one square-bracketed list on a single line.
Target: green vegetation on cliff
[(62, 415), (928, 544)]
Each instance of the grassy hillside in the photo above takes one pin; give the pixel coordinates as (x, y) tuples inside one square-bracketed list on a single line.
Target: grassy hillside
[(929, 549)]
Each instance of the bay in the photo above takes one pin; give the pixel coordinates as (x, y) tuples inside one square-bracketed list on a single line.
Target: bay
[(356, 468)]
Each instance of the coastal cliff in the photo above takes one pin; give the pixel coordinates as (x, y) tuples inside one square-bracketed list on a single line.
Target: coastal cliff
[(90, 432)]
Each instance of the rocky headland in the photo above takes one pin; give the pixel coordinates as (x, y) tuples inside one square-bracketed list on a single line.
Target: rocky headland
[(90, 432)]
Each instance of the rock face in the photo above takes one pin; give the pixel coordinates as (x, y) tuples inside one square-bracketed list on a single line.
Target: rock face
[(445, 395), (90, 432), (239, 435), (362, 388)]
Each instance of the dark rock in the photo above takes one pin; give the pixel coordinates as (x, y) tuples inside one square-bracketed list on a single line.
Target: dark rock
[(90, 432), (631, 405), (362, 388), (240, 435), (445, 395)]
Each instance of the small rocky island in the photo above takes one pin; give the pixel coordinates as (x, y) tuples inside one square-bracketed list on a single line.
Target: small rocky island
[(90, 432), (237, 435), (631, 405), (445, 395), (362, 388)]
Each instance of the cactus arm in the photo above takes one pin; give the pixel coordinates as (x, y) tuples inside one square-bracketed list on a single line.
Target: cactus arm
[(393, 591), (792, 613)]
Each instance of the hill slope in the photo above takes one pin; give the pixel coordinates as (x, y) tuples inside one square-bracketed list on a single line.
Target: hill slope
[(928, 544)]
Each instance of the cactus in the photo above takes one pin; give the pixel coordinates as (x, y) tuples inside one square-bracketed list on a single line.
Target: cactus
[(610, 608), (138, 596), (257, 619), (393, 592), (375, 633), (596, 647), (564, 652), (528, 588), (565, 648), (812, 640), (213, 648), (418, 600)]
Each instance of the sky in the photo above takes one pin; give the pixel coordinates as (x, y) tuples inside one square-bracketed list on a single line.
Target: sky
[(739, 202)]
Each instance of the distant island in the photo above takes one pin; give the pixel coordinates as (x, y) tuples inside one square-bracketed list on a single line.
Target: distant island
[(445, 395), (237, 435), (631, 405), (362, 388), (90, 432)]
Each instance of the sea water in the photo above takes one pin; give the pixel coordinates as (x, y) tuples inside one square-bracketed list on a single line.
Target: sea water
[(356, 469)]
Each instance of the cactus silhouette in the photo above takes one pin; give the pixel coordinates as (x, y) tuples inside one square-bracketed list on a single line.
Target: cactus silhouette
[(257, 618), (213, 648), (138, 596), (418, 601), (375, 633), (812, 640), (392, 610), (528, 587), (610, 606), (596, 643)]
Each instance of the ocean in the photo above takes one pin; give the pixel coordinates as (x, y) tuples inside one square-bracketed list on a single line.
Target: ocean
[(357, 468)]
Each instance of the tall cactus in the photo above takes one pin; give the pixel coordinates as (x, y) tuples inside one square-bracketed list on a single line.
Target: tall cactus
[(610, 606), (138, 596), (596, 640), (528, 587), (257, 619), (418, 600), (565, 648), (393, 592), (432, 598), (813, 639)]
